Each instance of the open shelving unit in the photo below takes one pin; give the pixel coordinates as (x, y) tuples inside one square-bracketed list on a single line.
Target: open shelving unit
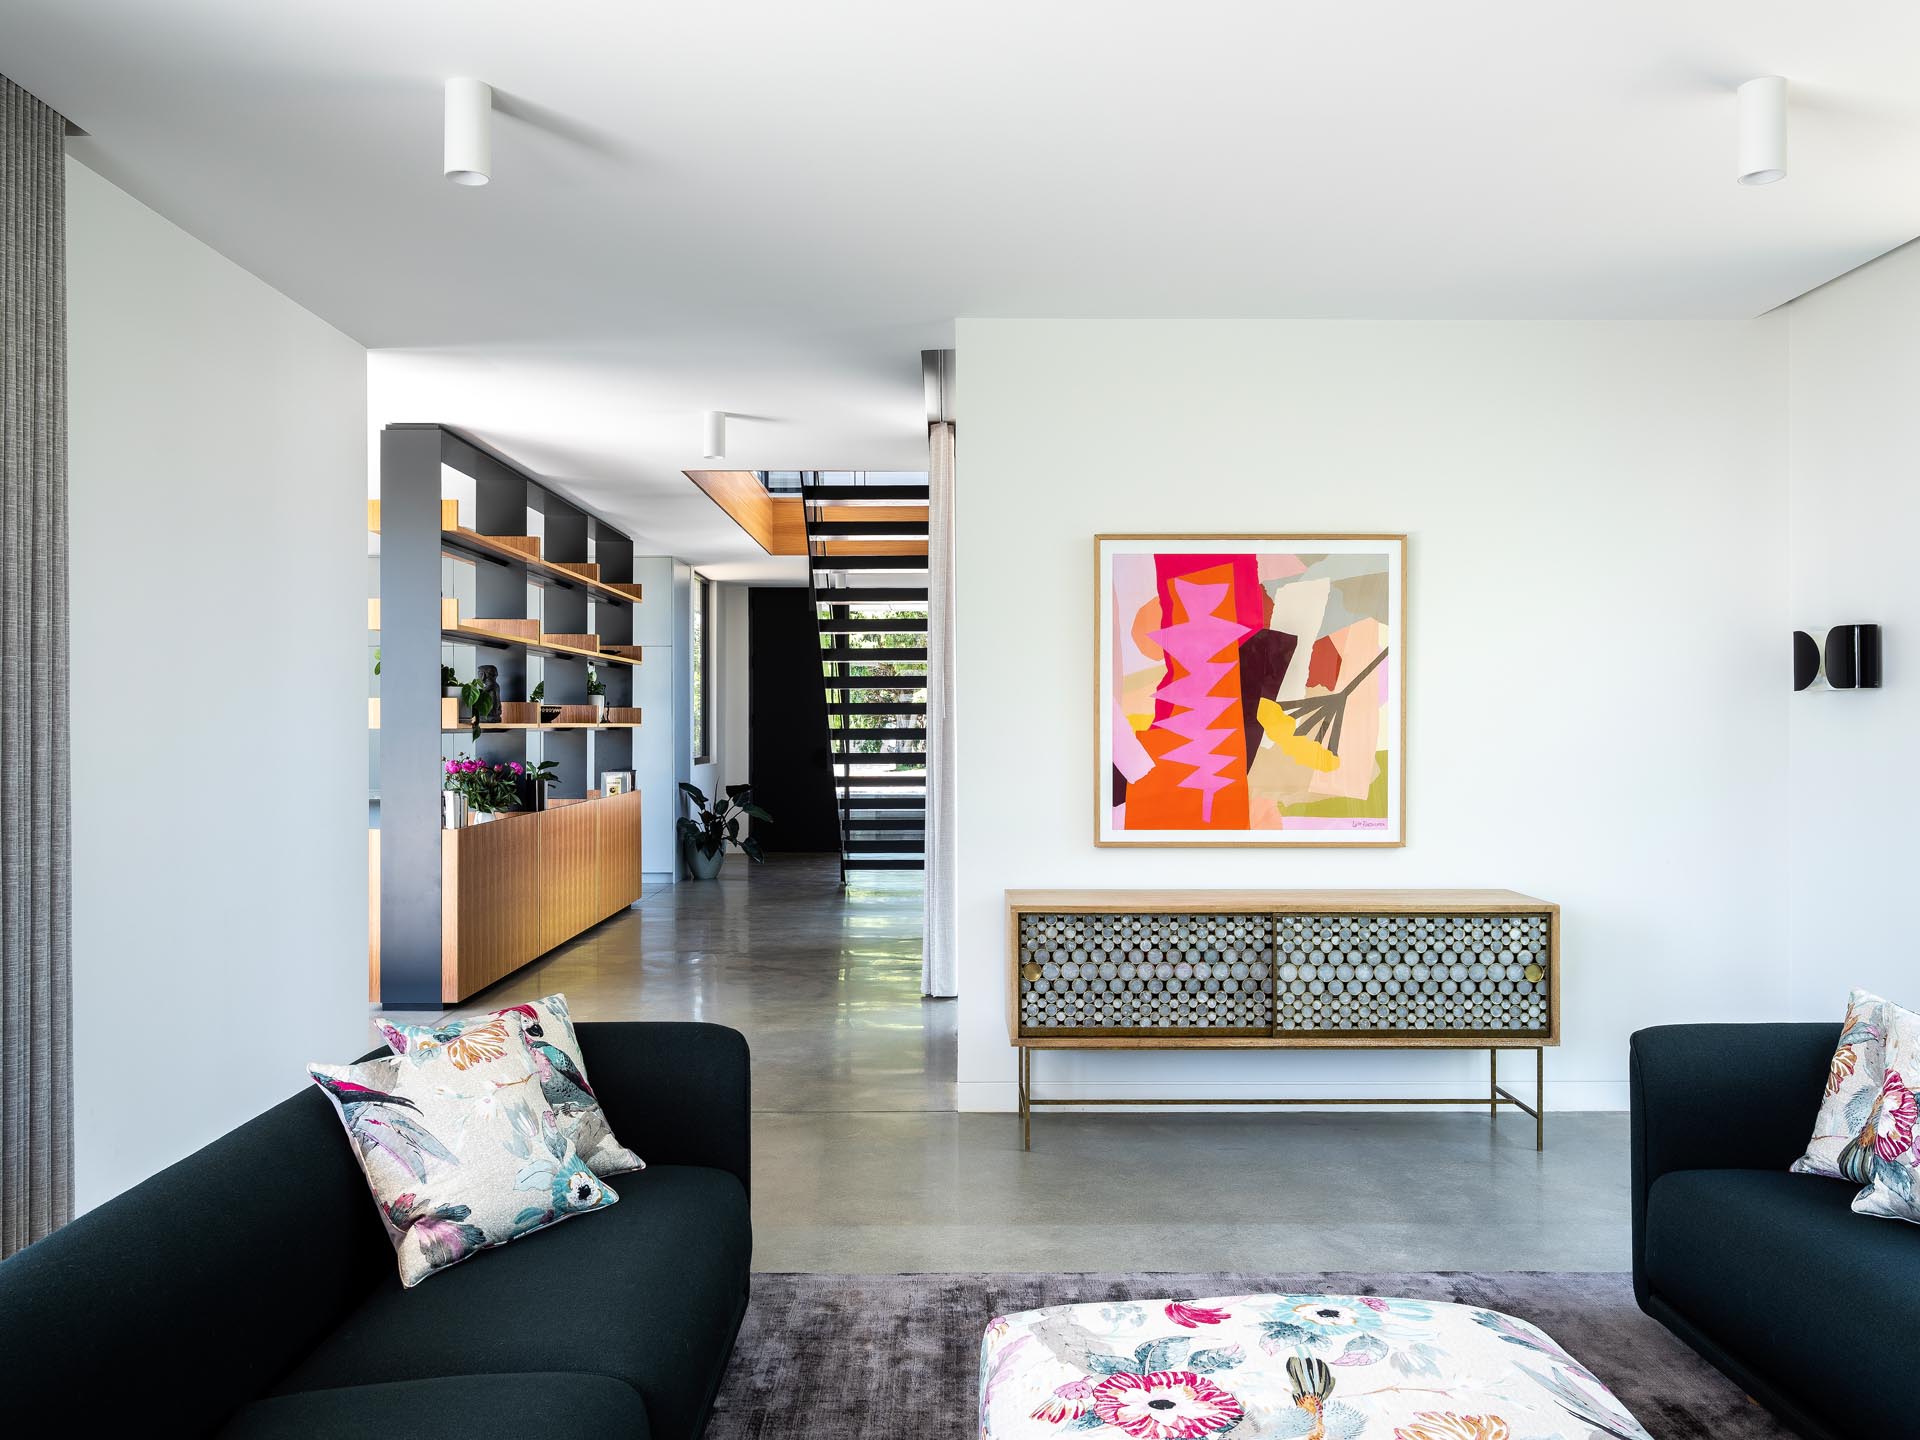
[(468, 541)]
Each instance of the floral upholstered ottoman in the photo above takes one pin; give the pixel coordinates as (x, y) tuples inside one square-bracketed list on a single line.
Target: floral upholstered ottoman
[(1321, 1367)]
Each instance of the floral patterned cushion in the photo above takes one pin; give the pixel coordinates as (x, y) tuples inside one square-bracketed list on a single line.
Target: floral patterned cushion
[(1889, 1140), (1286, 1365), (459, 1159), (1853, 1084), (482, 1039)]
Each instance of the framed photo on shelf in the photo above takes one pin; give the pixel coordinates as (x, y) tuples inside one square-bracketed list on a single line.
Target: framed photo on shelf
[(1250, 690), (616, 782)]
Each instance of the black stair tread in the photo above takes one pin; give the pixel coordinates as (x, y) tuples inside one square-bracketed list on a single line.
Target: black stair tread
[(868, 562), (889, 822), (877, 707), (877, 682), (869, 595), (875, 625), (885, 847), (855, 655), (902, 759), (853, 529), (881, 732), (856, 803), (878, 782), (864, 492), (890, 863)]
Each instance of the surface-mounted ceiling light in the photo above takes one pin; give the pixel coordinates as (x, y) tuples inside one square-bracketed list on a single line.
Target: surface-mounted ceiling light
[(716, 435), (469, 155), (1763, 130)]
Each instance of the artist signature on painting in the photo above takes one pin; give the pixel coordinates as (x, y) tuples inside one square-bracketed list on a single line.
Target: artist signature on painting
[(1369, 824)]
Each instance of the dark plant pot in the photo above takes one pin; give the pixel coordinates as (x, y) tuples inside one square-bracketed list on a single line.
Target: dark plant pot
[(701, 866), (533, 794)]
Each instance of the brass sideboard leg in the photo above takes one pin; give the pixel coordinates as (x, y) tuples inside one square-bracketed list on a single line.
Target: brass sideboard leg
[(1493, 1082), (1539, 1097), (1026, 1098)]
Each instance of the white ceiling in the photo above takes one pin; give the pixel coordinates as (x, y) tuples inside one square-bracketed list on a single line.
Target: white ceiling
[(770, 208)]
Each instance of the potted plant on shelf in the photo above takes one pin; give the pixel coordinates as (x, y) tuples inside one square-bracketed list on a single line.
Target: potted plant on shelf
[(476, 791), (449, 683), (703, 841), (481, 696), (597, 693), (533, 782)]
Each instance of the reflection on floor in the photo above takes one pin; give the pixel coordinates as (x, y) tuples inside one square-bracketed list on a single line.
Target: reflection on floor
[(861, 1164)]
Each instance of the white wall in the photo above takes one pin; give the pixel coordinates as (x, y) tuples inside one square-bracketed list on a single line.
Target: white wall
[(1854, 781), (656, 690), (1597, 627), (726, 764), (218, 468)]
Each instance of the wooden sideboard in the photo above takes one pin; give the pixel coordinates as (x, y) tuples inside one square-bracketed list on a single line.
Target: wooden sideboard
[(1284, 969), (514, 888)]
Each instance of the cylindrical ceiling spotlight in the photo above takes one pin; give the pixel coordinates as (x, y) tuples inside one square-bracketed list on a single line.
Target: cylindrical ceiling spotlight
[(716, 435), (469, 154), (1763, 130)]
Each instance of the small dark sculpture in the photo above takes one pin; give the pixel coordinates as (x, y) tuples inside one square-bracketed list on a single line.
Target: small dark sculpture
[(490, 686)]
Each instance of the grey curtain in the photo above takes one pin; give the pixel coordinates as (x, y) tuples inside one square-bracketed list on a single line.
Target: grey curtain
[(939, 962), (36, 997)]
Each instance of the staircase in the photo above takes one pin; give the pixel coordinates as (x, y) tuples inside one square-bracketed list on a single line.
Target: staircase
[(867, 574)]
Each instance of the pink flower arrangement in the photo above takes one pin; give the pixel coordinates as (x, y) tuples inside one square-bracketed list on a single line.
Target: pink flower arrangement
[(488, 787)]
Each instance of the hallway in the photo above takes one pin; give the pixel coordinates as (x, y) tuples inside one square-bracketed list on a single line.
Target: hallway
[(862, 1165)]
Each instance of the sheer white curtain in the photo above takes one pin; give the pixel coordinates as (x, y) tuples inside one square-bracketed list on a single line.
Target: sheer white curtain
[(939, 966)]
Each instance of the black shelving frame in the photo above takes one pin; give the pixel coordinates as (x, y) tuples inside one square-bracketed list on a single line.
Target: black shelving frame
[(410, 736)]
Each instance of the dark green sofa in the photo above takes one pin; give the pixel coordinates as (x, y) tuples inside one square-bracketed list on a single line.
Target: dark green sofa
[(1811, 1309), (250, 1290)]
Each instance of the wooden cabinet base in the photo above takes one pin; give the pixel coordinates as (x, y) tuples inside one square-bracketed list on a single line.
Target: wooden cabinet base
[(516, 887)]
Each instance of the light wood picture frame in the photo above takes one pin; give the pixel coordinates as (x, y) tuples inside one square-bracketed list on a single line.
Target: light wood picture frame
[(1250, 690)]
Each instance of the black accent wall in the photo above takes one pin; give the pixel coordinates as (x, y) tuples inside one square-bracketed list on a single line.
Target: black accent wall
[(789, 764)]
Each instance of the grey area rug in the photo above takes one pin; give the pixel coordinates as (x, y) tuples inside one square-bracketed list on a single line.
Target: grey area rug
[(894, 1357)]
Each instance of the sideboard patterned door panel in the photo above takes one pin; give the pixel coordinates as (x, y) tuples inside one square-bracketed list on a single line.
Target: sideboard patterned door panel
[(1435, 973), (1211, 974), (1285, 976)]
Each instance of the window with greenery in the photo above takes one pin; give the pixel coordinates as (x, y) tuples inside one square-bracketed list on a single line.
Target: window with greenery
[(702, 667)]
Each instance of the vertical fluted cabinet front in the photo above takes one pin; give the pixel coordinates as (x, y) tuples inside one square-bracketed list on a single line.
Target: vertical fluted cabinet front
[(521, 884)]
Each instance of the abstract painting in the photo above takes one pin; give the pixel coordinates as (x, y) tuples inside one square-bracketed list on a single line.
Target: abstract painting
[(1251, 689)]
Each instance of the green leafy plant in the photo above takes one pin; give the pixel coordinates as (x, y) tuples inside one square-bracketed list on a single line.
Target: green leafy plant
[(719, 821), (376, 659), (478, 700), (544, 772), (594, 685), (448, 680), (538, 693)]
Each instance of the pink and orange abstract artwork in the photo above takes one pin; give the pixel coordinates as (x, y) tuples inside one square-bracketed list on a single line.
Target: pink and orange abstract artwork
[(1252, 689)]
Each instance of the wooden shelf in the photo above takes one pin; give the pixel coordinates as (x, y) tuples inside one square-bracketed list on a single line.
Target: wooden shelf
[(571, 572), (479, 636), (557, 725)]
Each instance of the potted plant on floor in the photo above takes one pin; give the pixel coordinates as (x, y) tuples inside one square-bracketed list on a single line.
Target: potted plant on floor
[(703, 840), (597, 693), (476, 791)]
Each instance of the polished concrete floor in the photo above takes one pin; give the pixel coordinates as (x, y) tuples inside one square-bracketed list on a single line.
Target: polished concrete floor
[(861, 1164)]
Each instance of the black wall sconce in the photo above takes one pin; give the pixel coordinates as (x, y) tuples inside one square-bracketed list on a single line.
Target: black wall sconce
[(1850, 659)]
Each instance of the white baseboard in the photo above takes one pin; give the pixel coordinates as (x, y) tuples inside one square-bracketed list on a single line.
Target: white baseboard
[(1003, 1096)]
